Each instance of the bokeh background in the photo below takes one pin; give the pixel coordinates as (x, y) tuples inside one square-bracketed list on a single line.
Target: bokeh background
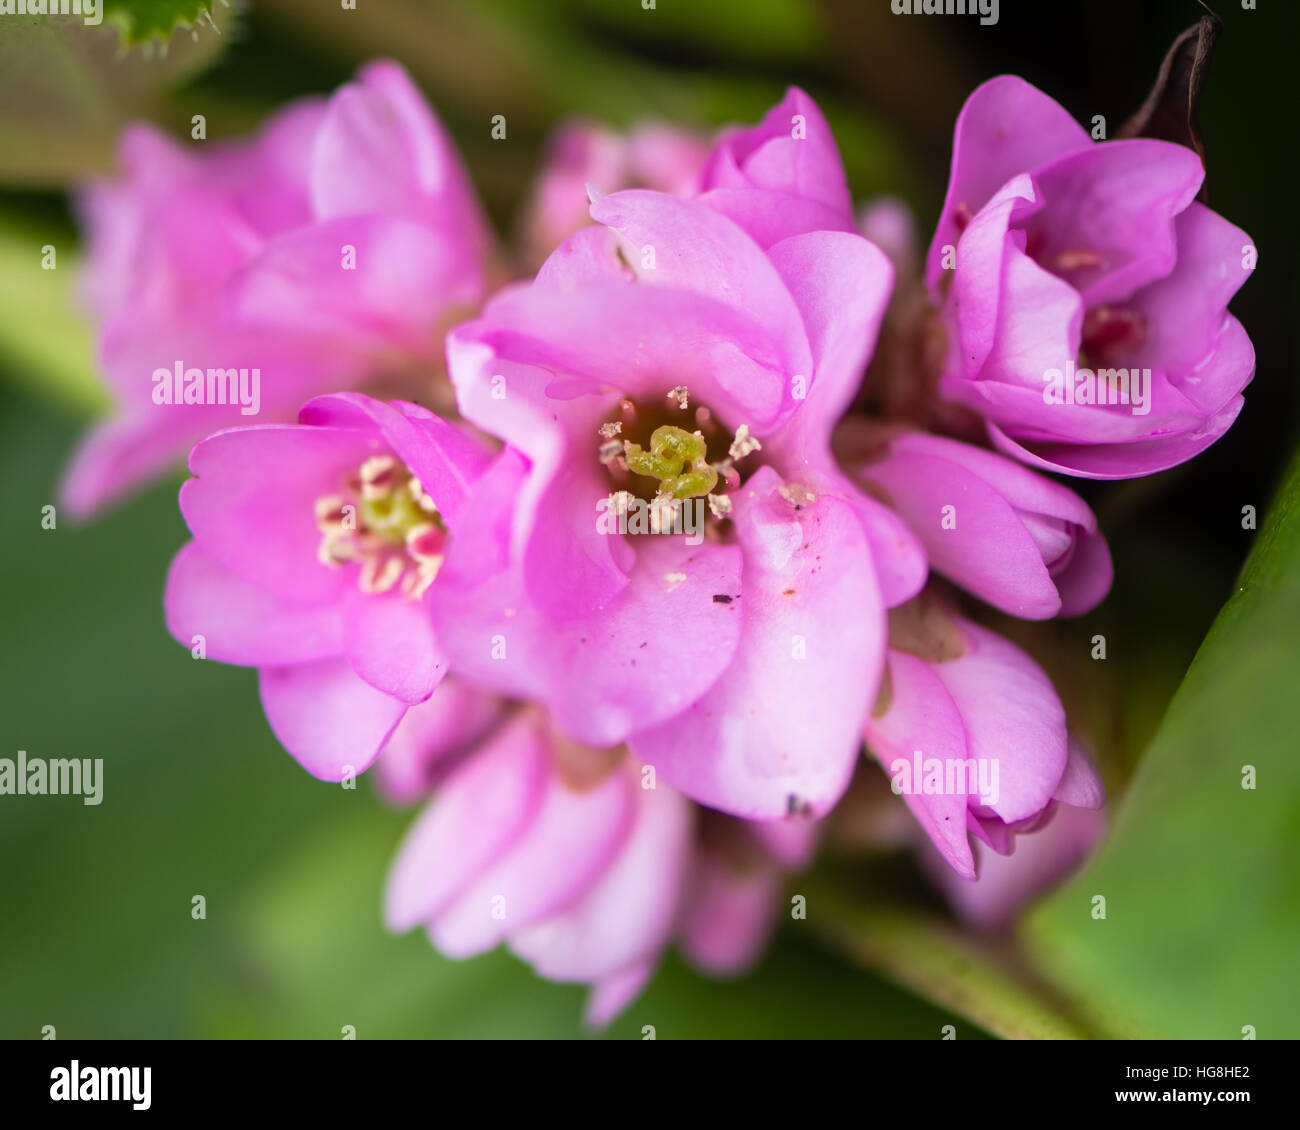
[(1202, 877)]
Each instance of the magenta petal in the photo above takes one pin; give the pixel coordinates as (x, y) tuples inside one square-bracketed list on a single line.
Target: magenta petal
[(431, 738), (251, 505), (441, 457), (1080, 785), (1119, 460), (569, 842), (841, 285), (390, 643), (334, 723), (1117, 201), (1007, 883), (612, 994), (781, 728), (792, 151), (701, 251), (729, 918), (1087, 579), (404, 274), (627, 916), (971, 534), (768, 216), (1184, 311), (922, 718), (1012, 717), (241, 623), (644, 657), (474, 818), (1006, 127)]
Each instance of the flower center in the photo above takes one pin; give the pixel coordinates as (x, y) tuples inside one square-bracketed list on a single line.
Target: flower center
[(670, 452), (386, 523)]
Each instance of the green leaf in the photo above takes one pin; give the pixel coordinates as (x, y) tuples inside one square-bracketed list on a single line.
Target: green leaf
[(1202, 893), (67, 88), (143, 20)]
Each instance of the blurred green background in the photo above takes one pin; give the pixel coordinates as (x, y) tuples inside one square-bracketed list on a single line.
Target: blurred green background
[(96, 936)]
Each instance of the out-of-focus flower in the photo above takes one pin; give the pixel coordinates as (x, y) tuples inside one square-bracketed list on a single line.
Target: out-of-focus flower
[(314, 549), (1006, 884), (1015, 539), (739, 662), (973, 734), (583, 155), (1084, 291), (241, 278), (584, 868)]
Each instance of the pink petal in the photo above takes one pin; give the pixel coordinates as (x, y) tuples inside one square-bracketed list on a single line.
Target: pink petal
[(570, 841), (241, 623), (471, 822), (251, 505), (390, 643), (627, 916), (781, 729), (331, 721), (922, 717)]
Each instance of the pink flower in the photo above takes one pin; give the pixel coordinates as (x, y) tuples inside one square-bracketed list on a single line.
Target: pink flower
[(1013, 538), (1085, 291), (973, 735), (323, 252), (584, 868), (782, 177), (314, 549), (1006, 884), (583, 153), (663, 358)]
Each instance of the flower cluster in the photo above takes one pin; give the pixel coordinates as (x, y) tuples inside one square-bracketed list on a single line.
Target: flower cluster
[(631, 733)]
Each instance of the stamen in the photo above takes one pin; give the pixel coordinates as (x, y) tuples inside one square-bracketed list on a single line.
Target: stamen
[(1079, 259), (387, 523), (744, 443), (379, 574), (378, 476)]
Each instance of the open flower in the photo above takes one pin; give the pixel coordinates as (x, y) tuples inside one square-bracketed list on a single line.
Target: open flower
[(973, 734), (325, 251), (666, 366), (314, 549), (1019, 541), (585, 867), (1084, 291)]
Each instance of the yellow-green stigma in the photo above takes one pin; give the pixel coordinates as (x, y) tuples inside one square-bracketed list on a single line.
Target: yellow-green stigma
[(677, 458), (393, 530)]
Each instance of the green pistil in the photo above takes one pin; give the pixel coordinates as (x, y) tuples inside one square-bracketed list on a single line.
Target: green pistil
[(393, 515), (677, 459)]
